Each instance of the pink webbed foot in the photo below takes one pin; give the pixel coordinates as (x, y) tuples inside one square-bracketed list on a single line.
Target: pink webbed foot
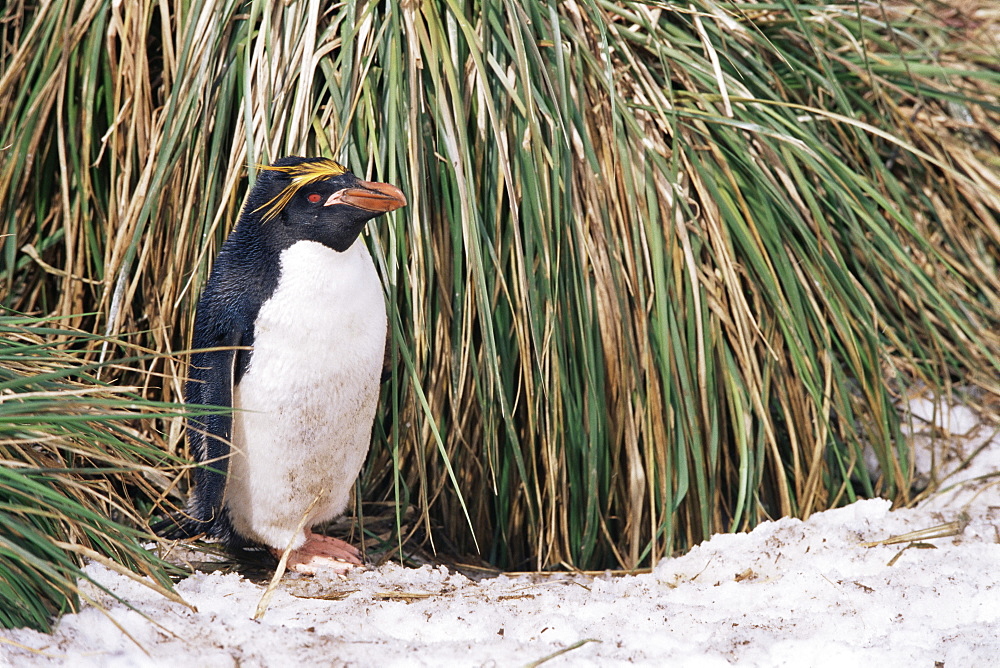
[(322, 554)]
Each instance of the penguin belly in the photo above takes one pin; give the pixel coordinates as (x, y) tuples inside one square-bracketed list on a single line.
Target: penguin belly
[(306, 403)]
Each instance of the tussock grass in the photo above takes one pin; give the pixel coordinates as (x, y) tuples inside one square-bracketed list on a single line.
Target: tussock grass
[(665, 269), (72, 465)]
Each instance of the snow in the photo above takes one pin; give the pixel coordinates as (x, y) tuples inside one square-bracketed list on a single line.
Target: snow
[(789, 593)]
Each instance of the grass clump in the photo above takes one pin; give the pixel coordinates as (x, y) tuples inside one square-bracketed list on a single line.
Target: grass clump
[(72, 465), (667, 268)]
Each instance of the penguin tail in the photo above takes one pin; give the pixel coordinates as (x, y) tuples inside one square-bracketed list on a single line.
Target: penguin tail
[(185, 525), (181, 525)]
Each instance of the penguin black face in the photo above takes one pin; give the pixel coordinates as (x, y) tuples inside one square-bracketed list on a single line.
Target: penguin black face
[(319, 200)]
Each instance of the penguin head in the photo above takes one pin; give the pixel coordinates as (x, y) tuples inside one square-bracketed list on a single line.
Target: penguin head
[(317, 199)]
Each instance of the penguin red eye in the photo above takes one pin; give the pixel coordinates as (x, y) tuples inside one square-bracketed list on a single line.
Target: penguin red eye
[(313, 197)]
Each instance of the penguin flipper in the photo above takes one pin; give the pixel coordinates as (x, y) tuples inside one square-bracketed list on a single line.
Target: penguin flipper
[(209, 437)]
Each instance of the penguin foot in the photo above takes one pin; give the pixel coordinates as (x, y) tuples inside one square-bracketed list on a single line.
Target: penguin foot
[(322, 554)]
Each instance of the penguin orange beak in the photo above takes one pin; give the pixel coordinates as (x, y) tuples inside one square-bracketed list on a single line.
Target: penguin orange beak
[(370, 196)]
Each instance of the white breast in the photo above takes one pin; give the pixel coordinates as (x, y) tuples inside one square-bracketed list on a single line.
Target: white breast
[(306, 403)]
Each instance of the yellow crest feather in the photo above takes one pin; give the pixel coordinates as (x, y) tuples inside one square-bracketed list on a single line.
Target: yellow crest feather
[(300, 175)]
